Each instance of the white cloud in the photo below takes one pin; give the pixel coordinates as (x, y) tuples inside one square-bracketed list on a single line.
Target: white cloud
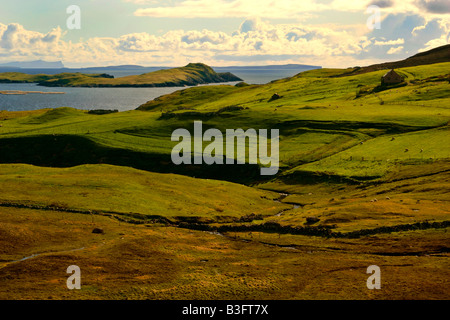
[(394, 50), (254, 38), (14, 36), (255, 41), (443, 40), (15, 40), (390, 42)]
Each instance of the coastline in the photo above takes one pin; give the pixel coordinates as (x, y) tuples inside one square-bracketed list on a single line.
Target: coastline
[(19, 92)]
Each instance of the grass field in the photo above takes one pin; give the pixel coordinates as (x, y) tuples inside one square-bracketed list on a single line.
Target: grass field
[(364, 179), (123, 190), (137, 262)]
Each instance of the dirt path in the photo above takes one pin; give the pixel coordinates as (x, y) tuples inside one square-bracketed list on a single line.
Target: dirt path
[(49, 253)]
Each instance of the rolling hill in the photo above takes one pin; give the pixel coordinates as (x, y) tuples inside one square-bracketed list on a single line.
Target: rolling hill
[(364, 179), (435, 55)]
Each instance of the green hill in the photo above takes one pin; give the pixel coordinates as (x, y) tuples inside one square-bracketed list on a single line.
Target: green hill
[(190, 75), (436, 55), (364, 179), (130, 193), (323, 120)]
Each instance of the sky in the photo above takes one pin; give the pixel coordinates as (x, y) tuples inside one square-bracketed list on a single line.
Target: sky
[(328, 33)]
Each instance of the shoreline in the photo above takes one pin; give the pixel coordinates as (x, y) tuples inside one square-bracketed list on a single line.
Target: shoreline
[(19, 92)]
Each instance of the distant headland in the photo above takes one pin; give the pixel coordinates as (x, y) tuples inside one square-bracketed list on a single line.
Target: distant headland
[(190, 75)]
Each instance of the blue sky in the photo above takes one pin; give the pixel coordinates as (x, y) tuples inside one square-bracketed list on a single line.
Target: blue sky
[(331, 33)]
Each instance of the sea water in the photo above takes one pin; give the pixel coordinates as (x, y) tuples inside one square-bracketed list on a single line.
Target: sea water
[(121, 99)]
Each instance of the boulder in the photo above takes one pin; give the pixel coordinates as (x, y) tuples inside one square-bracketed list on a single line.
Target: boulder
[(276, 96), (311, 220), (98, 230)]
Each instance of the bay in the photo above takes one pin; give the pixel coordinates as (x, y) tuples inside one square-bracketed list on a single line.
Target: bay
[(121, 99)]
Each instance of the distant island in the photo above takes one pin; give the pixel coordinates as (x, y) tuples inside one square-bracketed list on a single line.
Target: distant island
[(33, 64), (190, 75)]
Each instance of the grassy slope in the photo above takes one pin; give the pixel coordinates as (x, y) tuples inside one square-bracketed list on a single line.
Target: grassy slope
[(320, 140), (192, 74), (436, 55), (411, 193), (322, 120), (123, 190)]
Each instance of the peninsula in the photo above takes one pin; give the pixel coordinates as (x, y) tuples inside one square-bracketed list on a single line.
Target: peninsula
[(191, 75)]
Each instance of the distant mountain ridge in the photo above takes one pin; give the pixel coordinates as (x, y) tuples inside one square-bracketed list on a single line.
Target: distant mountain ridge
[(135, 69), (33, 64)]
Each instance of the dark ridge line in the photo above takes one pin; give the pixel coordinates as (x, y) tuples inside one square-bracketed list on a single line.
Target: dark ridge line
[(268, 227), (320, 231), (138, 217)]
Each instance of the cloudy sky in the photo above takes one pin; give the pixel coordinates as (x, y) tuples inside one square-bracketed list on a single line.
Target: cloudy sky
[(330, 33)]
